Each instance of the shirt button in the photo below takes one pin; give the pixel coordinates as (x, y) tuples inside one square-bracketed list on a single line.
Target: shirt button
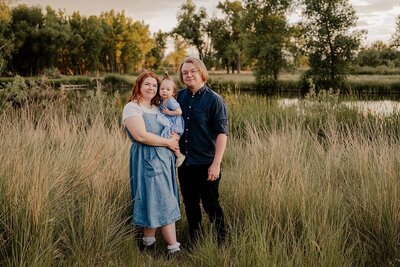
[(190, 106), (185, 141), (187, 117), (187, 130)]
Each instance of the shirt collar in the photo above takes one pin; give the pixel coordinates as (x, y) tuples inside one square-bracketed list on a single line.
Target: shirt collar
[(200, 91)]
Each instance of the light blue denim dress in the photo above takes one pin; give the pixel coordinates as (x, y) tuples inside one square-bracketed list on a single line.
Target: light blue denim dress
[(176, 123), (153, 180)]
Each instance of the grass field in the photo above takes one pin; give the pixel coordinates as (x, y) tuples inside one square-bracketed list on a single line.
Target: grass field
[(318, 186), (221, 76), (247, 76)]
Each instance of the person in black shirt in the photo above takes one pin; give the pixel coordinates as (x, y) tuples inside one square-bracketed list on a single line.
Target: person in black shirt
[(203, 143)]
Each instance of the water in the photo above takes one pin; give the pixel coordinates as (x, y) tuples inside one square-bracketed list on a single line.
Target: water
[(378, 108), (365, 107)]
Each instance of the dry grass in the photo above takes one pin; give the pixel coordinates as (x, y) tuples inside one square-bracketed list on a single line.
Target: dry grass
[(295, 193)]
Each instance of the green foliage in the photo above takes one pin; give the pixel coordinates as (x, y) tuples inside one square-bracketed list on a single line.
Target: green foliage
[(267, 34), (377, 55), (191, 26), (156, 54), (329, 44), (6, 36), (373, 88), (380, 70), (175, 58), (227, 35), (27, 23), (31, 42), (35, 93), (395, 40)]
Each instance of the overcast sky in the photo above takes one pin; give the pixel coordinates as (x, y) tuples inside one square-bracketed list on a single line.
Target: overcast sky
[(376, 16)]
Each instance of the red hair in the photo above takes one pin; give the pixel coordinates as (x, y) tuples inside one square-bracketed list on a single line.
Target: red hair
[(136, 93)]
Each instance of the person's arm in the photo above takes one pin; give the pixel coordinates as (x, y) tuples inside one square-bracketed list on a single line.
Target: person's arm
[(215, 168), (137, 128), (175, 112)]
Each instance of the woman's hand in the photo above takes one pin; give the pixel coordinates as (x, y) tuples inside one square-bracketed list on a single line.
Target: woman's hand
[(173, 143), (175, 135)]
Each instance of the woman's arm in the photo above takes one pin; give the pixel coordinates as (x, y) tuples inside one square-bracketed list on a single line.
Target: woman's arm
[(137, 128)]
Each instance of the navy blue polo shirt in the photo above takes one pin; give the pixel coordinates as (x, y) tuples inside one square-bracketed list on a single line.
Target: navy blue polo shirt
[(205, 115)]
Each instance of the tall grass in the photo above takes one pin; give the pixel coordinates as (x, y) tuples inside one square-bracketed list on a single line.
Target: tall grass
[(317, 188), (312, 187)]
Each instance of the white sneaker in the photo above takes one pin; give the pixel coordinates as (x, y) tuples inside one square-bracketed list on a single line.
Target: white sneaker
[(180, 160)]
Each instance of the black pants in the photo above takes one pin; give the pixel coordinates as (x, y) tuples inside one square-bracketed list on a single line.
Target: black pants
[(195, 187)]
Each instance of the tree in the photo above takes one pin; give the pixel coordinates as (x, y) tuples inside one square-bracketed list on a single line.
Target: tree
[(26, 24), (53, 36), (220, 40), (6, 36), (94, 39), (395, 40), (226, 35), (191, 26), (267, 36), (379, 54), (73, 56), (175, 58), (141, 37), (156, 54), (127, 43), (329, 43)]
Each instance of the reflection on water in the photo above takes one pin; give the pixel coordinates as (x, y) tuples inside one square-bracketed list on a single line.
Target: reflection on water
[(288, 102), (380, 108), (373, 107)]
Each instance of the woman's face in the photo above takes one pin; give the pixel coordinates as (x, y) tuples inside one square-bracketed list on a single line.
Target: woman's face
[(148, 88), (191, 76)]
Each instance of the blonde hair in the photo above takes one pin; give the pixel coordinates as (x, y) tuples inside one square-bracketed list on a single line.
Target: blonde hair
[(199, 66), (137, 94), (175, 85)]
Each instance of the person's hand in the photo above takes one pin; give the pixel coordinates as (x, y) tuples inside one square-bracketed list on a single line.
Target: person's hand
[(213, 172), (175, 135), (173, 143), (166, 111)]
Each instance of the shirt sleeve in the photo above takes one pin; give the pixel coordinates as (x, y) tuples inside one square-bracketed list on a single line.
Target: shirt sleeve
[(220, 116), (131, 110), (172, 104)]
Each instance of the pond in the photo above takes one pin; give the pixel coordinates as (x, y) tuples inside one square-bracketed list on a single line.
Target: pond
[(365, 107)]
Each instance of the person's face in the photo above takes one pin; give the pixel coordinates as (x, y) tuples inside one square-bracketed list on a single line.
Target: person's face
[(167, 89), (191, 76), (149, 88)]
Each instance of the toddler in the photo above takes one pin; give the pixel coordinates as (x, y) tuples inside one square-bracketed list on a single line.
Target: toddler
[(172, 110)]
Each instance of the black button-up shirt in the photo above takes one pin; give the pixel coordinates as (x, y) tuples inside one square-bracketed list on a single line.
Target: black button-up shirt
[(205, 115)]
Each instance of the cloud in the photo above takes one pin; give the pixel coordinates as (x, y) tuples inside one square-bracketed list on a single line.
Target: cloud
[(364, 6), (377, 18), (359, 3)]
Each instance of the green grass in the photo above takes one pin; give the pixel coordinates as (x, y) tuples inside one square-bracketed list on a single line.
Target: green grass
[(314, 185)]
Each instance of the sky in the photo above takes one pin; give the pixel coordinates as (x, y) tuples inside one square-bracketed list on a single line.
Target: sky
[(378, 17)]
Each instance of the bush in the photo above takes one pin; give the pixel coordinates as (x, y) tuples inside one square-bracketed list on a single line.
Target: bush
[(21, 92)]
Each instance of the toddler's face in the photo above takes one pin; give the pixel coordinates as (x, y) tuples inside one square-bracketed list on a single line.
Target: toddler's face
[(167, 89)]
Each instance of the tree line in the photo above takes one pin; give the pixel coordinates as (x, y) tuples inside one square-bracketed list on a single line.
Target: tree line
[(250, 34), (33, 41)]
